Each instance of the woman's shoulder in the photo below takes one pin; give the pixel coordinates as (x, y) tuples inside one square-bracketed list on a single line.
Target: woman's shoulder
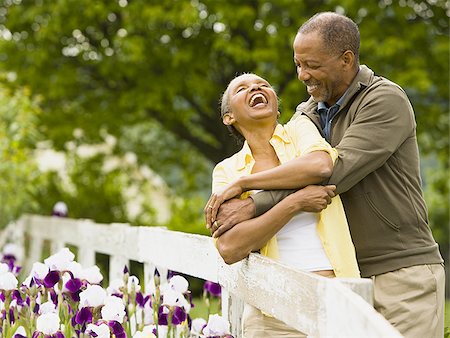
[(234, 161)]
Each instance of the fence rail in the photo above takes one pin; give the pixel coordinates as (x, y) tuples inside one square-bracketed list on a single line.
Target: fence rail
[(319, 306)]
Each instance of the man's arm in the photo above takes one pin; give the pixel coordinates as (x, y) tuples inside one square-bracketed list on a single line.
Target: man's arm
[(312, 168), (251, 235), (264, 200), (236, 210), (384, 121)]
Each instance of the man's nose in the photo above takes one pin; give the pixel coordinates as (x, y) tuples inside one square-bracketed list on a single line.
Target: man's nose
[(302, 74)]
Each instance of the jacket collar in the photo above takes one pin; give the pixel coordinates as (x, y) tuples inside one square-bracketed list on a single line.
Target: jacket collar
[(363, 79)]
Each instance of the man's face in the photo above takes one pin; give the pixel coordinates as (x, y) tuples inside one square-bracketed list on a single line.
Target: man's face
[(322, 73)]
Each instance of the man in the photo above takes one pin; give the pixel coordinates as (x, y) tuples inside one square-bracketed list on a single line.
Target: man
[(370, 122)]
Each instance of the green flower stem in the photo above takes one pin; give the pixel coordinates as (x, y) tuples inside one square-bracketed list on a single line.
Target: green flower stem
[(6, 323), (171, 329)]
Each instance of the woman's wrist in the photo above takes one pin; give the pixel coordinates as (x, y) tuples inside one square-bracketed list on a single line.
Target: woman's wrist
[(242, 184)]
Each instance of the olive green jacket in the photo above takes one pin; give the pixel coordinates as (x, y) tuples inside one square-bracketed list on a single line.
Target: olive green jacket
[(377, 176)]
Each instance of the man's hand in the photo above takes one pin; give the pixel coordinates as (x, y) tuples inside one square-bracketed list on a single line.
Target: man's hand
[(230, 213), (313, 198), (216, 200)]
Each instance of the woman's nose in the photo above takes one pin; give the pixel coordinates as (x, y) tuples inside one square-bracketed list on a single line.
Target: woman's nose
[(255, 86)]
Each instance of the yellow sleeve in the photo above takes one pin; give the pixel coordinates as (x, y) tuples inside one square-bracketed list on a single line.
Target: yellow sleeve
[(219, 177), (307, 138)]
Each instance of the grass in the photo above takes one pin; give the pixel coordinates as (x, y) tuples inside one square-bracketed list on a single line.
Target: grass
[(447, 315), (200, 309)]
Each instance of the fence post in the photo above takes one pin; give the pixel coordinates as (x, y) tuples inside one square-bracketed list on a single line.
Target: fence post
[(232, 309)]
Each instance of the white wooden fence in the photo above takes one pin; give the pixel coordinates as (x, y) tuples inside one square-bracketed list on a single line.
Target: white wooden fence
[(319, 306)]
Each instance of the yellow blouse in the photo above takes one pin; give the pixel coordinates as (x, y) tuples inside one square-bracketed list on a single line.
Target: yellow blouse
[(292, 140)]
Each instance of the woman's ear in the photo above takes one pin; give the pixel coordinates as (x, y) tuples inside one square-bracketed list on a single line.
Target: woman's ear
[(228, 119)]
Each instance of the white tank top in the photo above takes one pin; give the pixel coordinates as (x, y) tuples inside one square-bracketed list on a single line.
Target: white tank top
[(300, 246)]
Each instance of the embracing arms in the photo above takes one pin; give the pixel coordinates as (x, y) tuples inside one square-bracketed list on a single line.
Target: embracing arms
[(312, 168), (251, 235)]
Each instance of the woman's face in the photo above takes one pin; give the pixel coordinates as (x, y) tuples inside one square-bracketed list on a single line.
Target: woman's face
[(251, 99)]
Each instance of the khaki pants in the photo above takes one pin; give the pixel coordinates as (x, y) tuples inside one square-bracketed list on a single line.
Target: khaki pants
[(412, 300), (257, 325)]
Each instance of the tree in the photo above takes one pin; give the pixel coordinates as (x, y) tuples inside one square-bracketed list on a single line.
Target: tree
[(18, 173), (127, 64)]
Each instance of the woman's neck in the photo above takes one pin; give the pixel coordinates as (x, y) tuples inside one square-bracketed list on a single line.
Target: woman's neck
[(262, 151)]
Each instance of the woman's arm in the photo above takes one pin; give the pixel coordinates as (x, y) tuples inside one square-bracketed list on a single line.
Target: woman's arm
[(312, 168), (251, 235)]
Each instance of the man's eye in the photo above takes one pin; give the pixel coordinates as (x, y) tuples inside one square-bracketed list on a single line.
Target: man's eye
[(240, 89)]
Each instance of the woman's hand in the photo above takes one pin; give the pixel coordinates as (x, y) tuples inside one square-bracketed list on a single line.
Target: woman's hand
[(216, 200)]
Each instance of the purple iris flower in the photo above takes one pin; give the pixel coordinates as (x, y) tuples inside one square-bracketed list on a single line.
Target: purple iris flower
[(36, 334), (163, 318), (125, 269), (2, 297), (170, 274), (36, 281), (117, 329), (53, 296), (141, 300), (9, 262), (12, 319), (51, 279), (178, 316), (83, 316), (76, 296), (73, 285), (17, 296), (212, 288), (19, 336)]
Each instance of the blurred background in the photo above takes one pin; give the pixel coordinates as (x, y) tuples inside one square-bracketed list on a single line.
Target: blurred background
[(112, 106)]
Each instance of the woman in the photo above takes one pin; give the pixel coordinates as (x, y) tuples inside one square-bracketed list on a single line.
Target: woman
[(315, 242)]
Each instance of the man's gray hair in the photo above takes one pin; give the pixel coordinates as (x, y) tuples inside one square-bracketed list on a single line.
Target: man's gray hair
[(338, 32)]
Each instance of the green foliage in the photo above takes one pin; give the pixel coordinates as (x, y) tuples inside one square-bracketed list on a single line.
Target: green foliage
[(186, 216), (447, 320), (151, 73), (18, 173), (97, 184)]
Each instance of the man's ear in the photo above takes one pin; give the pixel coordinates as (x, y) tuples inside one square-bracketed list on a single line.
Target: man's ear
[(228, 119), (349, 58)]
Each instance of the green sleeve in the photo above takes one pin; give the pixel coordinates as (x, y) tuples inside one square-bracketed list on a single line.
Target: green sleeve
[(264, 200)]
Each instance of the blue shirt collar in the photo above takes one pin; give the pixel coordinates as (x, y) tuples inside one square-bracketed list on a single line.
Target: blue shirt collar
[(322, 105)]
